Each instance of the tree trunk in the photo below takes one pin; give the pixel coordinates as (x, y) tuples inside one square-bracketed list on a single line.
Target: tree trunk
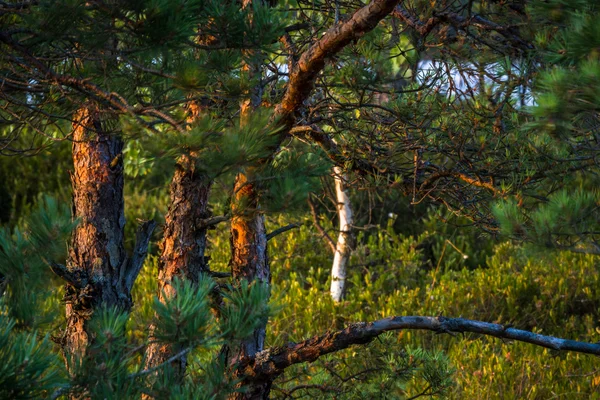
[(248, 261), (248, 237), (97, 254), (344, 245), (98, 273), (183, 246)]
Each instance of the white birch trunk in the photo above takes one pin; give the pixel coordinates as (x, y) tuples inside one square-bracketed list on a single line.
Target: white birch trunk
[(343, 247)]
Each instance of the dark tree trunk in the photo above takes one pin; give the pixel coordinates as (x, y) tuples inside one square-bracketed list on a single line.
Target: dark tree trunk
[(97, 254), (98, 273), (183, 246), (248, 261)]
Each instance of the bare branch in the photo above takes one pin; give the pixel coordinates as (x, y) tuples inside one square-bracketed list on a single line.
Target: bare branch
[(217, 274), (212, 221), (148, 371), (315, 216), (314, 135), (281, 230), (270, 363)]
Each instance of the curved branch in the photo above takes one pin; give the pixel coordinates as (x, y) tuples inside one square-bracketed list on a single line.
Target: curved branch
[(281, 230), (312, 61), (272, 362), (314, 135)]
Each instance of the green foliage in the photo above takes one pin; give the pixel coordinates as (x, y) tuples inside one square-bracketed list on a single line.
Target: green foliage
[(382, 374), (245, 309), (46, 173), (29, 368), (383, 109), (104, 373), (290, 178), (553, 293), (24, 257), (184, 319), (563, 218)]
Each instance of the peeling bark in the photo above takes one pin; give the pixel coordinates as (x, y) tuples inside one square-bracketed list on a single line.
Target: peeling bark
[(248, 237), (248, 234), (344, 244), (98, 273)]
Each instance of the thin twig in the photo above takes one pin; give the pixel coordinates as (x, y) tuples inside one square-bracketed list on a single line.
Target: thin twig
[(315, 217)]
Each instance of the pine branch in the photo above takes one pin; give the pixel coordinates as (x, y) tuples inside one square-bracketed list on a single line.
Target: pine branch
[(314, 135), (272, 362), (312, 61), (17, 6)]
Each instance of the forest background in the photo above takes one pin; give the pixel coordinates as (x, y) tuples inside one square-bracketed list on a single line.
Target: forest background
[(465, 134)]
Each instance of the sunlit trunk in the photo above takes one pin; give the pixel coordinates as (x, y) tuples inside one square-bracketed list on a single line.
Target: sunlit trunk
[(248, 237), (248, 261), (343, 248), (97, 254)]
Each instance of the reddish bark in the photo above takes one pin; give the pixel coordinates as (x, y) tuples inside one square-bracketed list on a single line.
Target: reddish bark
[(311, 63), (99, 273), (248, 261), (97, 251), (183, 246), (248, 236), (248, 239), (184, 243)]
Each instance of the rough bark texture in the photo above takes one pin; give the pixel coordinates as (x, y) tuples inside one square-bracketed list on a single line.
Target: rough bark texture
[(97, 255), (99, 273), (344, 245), (183, 246), (248, 234)]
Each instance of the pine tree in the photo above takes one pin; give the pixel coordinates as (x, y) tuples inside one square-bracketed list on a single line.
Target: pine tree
[(187, 80)]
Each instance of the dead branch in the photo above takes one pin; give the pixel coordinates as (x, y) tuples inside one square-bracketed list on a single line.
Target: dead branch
[(270, 363), (281, 230)]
